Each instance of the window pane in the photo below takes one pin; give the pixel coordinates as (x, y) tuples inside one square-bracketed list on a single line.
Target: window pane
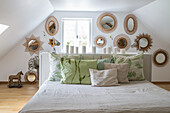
[(69, 31), (83, 32)]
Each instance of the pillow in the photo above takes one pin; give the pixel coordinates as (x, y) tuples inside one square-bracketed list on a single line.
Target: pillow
[(122, 71), (54, 61), (55, 68), (104, 77), (100, 62), (76, 71), (135, 65)]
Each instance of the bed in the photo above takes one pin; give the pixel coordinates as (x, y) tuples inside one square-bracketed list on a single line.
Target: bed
[(134, 97)]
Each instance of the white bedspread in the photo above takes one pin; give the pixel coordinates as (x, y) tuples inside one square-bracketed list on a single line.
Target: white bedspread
[(135, 97)]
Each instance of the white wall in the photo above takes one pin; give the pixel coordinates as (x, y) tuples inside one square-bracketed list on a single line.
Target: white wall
[(17, 59)]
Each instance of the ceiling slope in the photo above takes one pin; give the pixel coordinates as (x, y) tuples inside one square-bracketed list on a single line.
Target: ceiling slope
[(22, 16), (99, 5), (156, 17)]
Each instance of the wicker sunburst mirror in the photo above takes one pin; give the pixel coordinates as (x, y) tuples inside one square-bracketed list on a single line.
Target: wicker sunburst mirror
[(143, 42), (33, 45)]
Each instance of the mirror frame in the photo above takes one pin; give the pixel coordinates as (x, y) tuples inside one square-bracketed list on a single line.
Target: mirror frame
[(27, 74), (165, 53), (35, 49), (120, 36), (27, 49), (148, 38), (51, 18), (100, 26), (119, 45), (98, 37), (126, 24)]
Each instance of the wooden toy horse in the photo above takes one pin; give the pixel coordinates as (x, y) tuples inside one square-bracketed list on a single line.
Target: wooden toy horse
[(18, 76)]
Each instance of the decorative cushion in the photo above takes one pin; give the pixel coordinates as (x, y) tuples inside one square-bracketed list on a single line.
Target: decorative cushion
[(135, 65), (76, 71), (122, 71), (55, 73), (104, 77), (100, 62)]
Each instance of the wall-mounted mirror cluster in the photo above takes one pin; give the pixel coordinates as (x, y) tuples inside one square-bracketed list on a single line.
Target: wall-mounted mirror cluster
[(33, 45), (122, 41), (160, 57), (51, 26), (107, 22)]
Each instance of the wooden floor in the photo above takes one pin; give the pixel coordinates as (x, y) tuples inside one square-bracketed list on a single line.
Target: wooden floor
[(13, 100)]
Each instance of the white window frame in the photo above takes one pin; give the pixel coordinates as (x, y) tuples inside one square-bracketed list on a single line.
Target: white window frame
[(90, 31)]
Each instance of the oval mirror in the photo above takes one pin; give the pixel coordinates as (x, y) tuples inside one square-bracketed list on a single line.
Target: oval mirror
[(100, 41), (33, 45), (143, 42), (122, 41), (107, 22), (52, 26), (160, 57), (130, 24)]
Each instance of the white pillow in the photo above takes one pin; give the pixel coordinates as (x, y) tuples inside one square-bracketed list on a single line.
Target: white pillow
[(55, 72), (103, 77), (122, 71)]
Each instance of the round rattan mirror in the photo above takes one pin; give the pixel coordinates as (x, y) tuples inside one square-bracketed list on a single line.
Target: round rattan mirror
[(122, 41), (107, 22), (143, 42), (100, 41), (33, 45), (51, 26), (160, 57), (30, 76), (130, 24)]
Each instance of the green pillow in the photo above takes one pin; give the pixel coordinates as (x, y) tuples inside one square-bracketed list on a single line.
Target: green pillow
[(76, 71), (100, 62), (135, 65)]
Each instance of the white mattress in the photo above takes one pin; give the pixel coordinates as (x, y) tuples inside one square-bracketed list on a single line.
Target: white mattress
[(140, 96)]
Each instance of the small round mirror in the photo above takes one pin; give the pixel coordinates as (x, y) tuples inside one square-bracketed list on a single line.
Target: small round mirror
[(100, 41), (52, 27), (107, 22), (160, 58), (30, 76), (131, 24), (143, 42), (121, 42), (33, 45)]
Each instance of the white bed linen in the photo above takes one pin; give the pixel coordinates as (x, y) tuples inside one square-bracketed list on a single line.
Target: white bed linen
[(135, 97)]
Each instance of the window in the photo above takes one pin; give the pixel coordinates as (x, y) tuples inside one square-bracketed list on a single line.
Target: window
[(77, 32), (3, 28)]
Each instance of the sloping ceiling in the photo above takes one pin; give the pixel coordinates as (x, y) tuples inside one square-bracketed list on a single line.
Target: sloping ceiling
[(99, 5), (22, 16), (156, 17)]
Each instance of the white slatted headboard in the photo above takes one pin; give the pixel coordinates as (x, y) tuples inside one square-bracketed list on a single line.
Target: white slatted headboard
[(44, 64)]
